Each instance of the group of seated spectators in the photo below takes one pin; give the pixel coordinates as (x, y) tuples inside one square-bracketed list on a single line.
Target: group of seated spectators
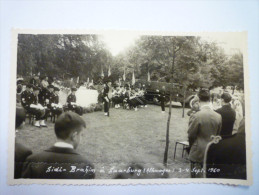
[(226, 159), (130, 97), (41, 99)]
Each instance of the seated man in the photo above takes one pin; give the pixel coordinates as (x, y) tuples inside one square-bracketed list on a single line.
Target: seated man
[(71, 102), (21, 152), (61, 161), (53, 105), (31, 104), (116, 97)]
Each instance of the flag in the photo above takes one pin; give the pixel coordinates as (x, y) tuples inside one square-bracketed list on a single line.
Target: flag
[(109, 71), (124, 75), (77, 81), (148, 76), (102, 75), (133, 78)]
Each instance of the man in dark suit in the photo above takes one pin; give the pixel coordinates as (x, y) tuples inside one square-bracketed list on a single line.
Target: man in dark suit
[(227, 159), (202, 125), (21, 152), (61, 161), (71, 102), (228, 115)]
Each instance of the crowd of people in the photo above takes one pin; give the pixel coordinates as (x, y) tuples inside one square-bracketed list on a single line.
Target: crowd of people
[(226, 159), (41, 99)]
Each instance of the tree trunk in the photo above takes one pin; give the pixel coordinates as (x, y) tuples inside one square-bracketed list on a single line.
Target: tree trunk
[(184, 96), (167, 131)]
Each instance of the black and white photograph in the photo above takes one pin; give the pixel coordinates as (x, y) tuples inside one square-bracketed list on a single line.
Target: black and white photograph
[(129, 107)]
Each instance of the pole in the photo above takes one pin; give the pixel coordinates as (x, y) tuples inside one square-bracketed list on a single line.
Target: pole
[(184, 94), (167, 131)]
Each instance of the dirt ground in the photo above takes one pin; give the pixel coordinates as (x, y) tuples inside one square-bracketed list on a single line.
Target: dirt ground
[(126, 137)]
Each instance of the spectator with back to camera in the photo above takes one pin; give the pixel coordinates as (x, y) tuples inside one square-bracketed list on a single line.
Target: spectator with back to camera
[(68, 129)]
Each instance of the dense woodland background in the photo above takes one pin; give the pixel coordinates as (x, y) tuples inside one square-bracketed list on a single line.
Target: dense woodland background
[(188, 60)]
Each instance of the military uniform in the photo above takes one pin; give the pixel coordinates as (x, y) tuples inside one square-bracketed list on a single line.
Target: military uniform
[(161, 97), (75, 108), (53, 104), (106, 99), (28, 98)]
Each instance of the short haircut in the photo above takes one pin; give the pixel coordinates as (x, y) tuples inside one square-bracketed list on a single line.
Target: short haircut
[(226, 97), (204, 95), (20, 117), (67, 123)]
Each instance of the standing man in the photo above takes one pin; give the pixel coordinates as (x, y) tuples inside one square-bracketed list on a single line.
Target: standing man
[(202, 125), (228, 115), (107, 95), (161, 97)]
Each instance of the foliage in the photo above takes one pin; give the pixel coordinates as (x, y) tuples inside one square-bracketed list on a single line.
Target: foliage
[(188, 60)]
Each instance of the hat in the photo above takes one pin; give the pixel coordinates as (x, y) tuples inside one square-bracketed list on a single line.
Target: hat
[(51, 86), (73, 89), (20, 117), (226, 97), (56, 89)]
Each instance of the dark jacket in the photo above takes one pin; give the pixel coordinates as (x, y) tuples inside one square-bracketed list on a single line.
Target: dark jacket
[(229, 156), (58, 163), (228, 116), (21, 153)]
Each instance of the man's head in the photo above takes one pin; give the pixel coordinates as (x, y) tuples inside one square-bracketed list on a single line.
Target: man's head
[(204, 96), (226, 98), (195, 103), (51, 88), (20, 117), (69, 127), (73, 90)]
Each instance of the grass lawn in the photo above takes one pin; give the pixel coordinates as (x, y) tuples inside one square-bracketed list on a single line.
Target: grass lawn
[(126, 136)]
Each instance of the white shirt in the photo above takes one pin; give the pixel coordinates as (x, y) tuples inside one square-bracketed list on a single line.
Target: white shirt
[(63, 145)]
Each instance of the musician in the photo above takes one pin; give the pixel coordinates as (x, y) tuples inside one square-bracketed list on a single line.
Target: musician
[(133, 102), (140, 97), (107, 95), (44, 92), (53, 104), (71, 102), (161, 97), (117, 96), (30, 102)]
